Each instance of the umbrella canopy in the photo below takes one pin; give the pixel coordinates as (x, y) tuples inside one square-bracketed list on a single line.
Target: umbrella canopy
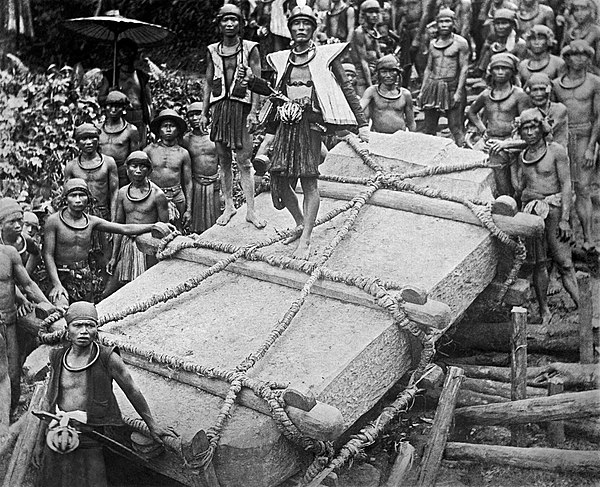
[(112, 28)]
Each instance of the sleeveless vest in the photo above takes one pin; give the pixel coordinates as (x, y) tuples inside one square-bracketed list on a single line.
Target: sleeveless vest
[(220, 90), (342, 28), (331, 99), (101, 405)]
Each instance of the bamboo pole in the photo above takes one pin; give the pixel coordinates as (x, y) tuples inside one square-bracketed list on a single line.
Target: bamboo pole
[(438, 435), (518, 368)]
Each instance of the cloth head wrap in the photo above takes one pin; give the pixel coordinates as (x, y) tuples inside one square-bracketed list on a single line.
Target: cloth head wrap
[(197, 106), (116, 98), (370, 5), (504, 59), (230, 9), (86, 129), (505, 14), (538, 79), (578, 46), (534, 115), (446, 13), (388, 61), (139, 157), (349, 67), (75, 184), (8, 207), (80, 311), (541, 30)]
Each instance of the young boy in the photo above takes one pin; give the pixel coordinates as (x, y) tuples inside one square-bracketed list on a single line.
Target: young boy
[(141, 202), (171, 165), (388, 105), (206, 207)]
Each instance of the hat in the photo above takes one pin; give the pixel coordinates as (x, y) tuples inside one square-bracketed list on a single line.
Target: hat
[(445, 13), (80, 311), (349, 67), (388, 61), (197, 106), (578, 46), (74, 185), (303, 11), (541, 30), (86, 129), (505, 14), (139, 157), (504, 59), (169, 114), (31, 218), (116, 98), (370, 5), (9, 206), (230, 9), (534, 115), (538, 79)]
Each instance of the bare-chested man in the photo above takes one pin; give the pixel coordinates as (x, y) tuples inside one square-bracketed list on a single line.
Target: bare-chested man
[(580, 92), (81, 383), (100, 173), (68, 240), (233, 107), (540, 40), (444, 88), (388, 105), (206, 207), (500, 104), (585, 27), (503, 39), (365, 48), (134, 82), (118, 137), (171, 165), (12, 272), (463, 12), (532, 12), (539, 89), (542, 180), (141, 201)]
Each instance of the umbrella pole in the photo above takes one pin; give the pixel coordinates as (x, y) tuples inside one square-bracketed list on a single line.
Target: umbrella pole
[(114, 76)]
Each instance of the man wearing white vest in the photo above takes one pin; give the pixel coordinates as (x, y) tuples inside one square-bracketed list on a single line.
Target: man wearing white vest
[(233, 107), (321, 100)]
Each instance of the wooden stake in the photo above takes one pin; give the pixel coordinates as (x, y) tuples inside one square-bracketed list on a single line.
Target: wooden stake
[(21, 457), (402, 465), (586, 333), (550, 459), (438, 435), (570, 405), (556, 429), (518, 368)]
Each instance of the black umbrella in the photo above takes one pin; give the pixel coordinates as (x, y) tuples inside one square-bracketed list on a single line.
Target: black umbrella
[(112, 28)]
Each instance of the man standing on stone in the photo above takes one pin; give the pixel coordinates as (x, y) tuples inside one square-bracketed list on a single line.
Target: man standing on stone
[(500, 104), (233, 107), (118, 138), (365, 48), (542, 181), (12, 272), (444, 89), (134, 83), (321, 98), (171, 165), (580, 92), (206, 207)]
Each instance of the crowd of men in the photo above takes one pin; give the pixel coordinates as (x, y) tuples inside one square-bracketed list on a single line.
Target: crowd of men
[(300, 75)]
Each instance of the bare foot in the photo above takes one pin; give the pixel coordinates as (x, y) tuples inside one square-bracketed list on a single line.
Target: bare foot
[(257, 222), (294, 237), (226, 216), (302, 251)]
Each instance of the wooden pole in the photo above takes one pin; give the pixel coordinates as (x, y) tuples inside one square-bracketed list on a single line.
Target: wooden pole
[(438, 435), (13, 433), (21, 457), (570, 405), (549, 459), (402, 465), (586, 333), (499, 374), (518, 368), (556, 429)]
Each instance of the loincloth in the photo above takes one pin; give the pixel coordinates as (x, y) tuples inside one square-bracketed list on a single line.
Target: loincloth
[(175, 198), (229, 123), (78, 280), (206, 202), (132, 261), (537, 247), (296, 154), (438, 94)]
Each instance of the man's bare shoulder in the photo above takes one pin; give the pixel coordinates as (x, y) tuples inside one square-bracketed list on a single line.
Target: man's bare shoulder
[(406, 93), (156, 191), (370, 92), (110, 161), (132, 129), (557, 150), (594, 80), (10, 253), (52, 220), (461, 41), (559, 110)]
